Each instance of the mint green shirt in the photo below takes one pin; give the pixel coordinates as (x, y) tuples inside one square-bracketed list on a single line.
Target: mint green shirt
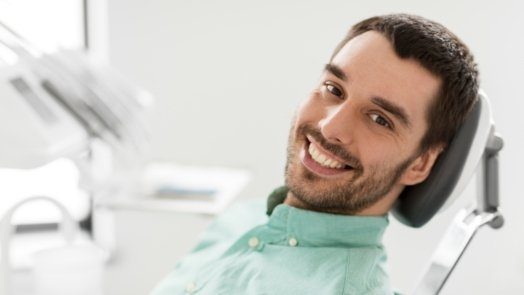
[(293, 251)]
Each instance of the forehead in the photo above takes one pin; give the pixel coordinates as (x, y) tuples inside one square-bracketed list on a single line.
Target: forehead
[(374, 69)]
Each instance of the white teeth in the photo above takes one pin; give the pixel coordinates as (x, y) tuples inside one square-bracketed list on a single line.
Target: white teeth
[(328, 162), (322, 159), (334, 165)]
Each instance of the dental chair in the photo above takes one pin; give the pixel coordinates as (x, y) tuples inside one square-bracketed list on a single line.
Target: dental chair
[(473, 150)]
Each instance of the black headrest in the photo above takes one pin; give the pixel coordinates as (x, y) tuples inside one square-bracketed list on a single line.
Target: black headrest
[(418, 204)]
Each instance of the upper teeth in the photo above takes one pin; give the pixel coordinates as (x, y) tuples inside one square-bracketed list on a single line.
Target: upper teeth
[(323, 159)]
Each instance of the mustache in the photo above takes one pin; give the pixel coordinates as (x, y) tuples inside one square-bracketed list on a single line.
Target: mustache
[(335, 149)]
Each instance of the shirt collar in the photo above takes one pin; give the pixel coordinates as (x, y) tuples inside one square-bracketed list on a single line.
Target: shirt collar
[(324, 229)]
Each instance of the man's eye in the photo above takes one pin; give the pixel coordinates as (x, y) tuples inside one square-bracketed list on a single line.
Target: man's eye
[(380, 120), (333, 89)]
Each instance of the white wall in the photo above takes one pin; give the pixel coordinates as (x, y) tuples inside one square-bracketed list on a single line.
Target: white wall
[(228, 75)]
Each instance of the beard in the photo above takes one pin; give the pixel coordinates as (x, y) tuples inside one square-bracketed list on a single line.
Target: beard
[(356, 191)]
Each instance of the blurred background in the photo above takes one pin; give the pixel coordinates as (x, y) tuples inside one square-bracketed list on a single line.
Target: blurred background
[(227, 76)]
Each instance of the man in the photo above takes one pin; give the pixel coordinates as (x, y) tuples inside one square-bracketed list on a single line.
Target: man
[(388, 102)]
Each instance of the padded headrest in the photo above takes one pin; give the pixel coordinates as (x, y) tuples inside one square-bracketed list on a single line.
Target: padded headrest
[(452, 170)]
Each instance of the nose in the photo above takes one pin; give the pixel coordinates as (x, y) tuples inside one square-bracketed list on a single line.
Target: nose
[(337, 126)]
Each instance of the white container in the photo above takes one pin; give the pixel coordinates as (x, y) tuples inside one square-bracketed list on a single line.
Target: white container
[(72, 269)]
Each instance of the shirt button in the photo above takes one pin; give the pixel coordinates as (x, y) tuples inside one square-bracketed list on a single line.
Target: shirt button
[(293, 242), (253, 242), (190, 287)]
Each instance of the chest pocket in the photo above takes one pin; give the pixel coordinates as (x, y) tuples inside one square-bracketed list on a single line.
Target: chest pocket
[(365, 271)]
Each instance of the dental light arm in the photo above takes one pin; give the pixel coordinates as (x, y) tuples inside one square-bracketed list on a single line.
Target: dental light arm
[(62, 102)]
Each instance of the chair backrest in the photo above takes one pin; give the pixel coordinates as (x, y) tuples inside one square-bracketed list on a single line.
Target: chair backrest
[(452, 171)]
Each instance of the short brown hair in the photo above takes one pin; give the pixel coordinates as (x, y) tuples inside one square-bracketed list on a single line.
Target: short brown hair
[(440, 52)]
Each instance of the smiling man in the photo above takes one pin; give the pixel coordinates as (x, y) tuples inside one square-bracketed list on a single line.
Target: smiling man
[(356, 140), (388, 102)]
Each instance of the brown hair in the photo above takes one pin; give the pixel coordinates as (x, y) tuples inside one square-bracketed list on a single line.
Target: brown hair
[(444, 55)]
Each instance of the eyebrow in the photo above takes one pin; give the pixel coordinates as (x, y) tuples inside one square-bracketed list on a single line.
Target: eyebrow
[(388, 106), (394, 109), (336, 71)]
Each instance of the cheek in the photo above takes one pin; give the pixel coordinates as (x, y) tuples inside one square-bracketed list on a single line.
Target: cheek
[(374, 150), (380, 153), (310, 110)]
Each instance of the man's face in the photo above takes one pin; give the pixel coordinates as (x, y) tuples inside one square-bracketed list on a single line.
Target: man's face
[(355, 140)]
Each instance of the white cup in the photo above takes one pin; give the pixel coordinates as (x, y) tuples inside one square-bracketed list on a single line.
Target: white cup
[(67, 270)]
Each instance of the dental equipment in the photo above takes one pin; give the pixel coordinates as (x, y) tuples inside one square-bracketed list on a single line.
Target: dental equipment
[(474, 148), (66, 105)]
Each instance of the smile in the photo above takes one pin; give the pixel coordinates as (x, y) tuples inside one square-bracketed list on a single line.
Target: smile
[(323, 159), (321, 162)]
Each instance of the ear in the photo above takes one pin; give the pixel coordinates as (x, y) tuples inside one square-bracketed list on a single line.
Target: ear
[(420, 168)]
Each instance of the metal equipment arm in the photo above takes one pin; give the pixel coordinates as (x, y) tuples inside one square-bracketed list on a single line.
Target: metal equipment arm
[(467, 222)]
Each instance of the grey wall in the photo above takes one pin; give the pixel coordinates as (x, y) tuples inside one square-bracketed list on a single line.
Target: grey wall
[(228, 75)]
